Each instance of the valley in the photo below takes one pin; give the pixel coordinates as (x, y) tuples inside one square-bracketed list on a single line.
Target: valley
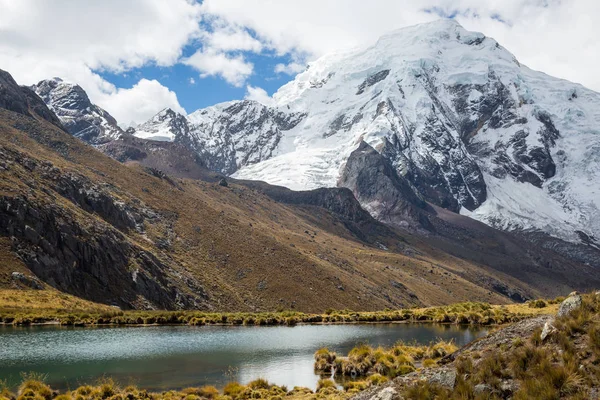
[(416, 218)]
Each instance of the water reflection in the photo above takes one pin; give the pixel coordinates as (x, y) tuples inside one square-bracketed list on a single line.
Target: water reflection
[(159, 358)]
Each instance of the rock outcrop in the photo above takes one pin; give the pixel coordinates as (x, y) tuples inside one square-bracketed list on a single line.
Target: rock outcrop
[(388, 197), (78, 115)]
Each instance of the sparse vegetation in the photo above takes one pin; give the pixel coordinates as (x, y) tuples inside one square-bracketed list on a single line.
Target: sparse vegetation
[(565, 365), (379, 364), (36, 389), (87, 313)]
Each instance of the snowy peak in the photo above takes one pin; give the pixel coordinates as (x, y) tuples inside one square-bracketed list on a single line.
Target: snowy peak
[(457, 115), (164, 126), (227, 136), (461, 121), (79, 116)]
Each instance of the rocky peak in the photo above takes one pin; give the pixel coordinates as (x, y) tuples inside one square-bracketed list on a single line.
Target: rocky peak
[(78, 114), (456, 115), (22, 100), (227, 136), (166, 125)]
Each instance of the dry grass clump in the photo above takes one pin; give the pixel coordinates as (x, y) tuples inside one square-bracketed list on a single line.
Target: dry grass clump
[(33, 388), (325, 384), (379, 363)]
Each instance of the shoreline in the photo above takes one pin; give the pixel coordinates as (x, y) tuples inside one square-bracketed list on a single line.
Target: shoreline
[(58, 323), (468, 314)]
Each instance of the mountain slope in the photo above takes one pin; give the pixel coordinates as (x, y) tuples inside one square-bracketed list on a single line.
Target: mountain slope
[(132, 236), (472, 129), (79, 116)]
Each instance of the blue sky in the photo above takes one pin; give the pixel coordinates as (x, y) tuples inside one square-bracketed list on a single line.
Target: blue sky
[(209, 90)]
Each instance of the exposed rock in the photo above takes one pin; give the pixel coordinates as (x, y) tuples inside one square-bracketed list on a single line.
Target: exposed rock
[(227, 136), (223, 182), (547, 330), (22, 100), (28, 281), (570, 304), (509, 386), (482, 388), (372, 79), (387, 196), (94, 261), (78, 115), (389, 393), (444, 377), (339, 201), (168, 157)]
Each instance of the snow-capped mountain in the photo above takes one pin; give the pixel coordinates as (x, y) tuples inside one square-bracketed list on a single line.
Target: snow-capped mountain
[(468, 126), (227, 135), (79, 116), (164, 126)]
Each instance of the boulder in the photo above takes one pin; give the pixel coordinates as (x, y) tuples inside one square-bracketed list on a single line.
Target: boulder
[(509, 386), (446, 378), (570, 304)]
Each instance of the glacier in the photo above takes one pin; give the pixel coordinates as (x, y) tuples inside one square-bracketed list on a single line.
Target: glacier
[(470, 127)]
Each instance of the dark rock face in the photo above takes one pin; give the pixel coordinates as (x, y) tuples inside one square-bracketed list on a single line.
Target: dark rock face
[(444, 173), (22, 100), (79, 116), (79, 253), (31, 282), (93, 262), (389, 197), (372, 79), (225, 138), (339, 201)]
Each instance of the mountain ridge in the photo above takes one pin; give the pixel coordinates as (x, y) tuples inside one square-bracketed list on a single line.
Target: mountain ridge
[(78, 115), (470, 127), (125, 233)]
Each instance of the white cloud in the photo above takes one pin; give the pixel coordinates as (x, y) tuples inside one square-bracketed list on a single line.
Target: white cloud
[(109, 34), (229, 38), (76, 39), (139, 103), (192, 81), (291, 69), (40, 39), (209, 62), (557, 37), (258, 94)]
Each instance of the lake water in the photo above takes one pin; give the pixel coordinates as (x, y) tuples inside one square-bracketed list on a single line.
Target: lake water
[(173, 357)]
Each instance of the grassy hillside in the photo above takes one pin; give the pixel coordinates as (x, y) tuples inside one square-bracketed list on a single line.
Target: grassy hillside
[(211, 247), (133, 237)]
